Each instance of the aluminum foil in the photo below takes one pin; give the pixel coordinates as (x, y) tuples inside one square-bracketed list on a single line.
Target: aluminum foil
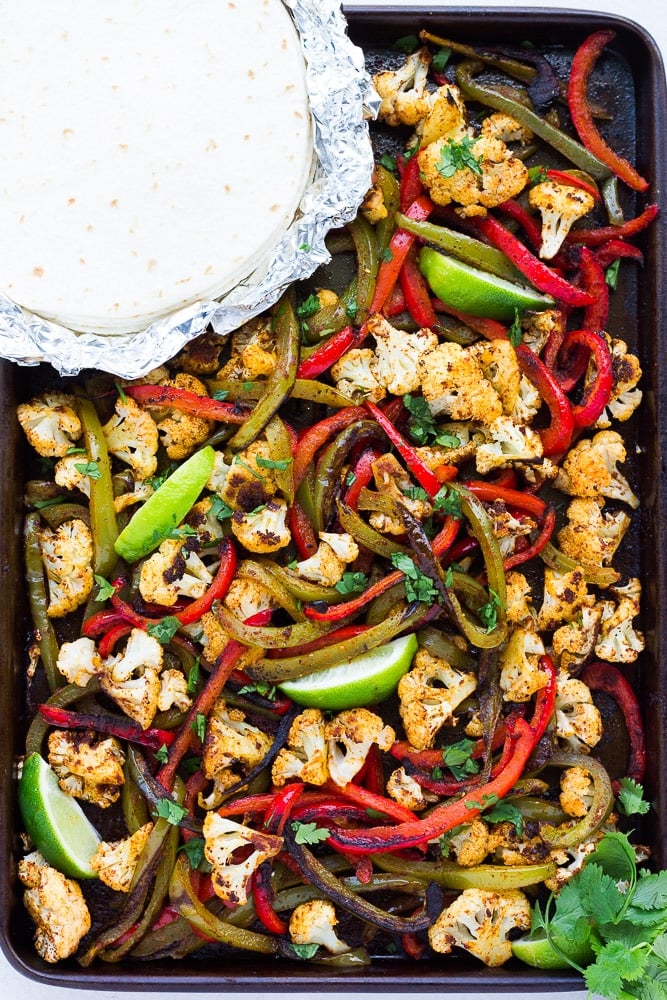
[(341, 100)]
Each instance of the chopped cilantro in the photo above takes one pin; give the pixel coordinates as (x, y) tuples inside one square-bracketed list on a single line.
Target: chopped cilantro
[(352, 583), (536, 175), (418, 586), (162, 754), (194, 851), (90, 469), (309, 833), (199, 725), (220, 509), (488, 613), (165, 629), (387, 255), (515, 333), (308, 307), (247, 386), (422, 427), (303, 951), (305, 247), (172, 811), (350, 479), (220, 395), (193, 676), (458, 156), (458, 758), (505, 812), (388, 162), (611, 274), (351, 309), (273, 463), (105, 589), (448, 501), (415, 493)]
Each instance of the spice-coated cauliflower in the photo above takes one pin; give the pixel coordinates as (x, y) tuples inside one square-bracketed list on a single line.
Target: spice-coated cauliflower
[(247, 597), (248, 484), (578, 720), (264, 529), (480, 922), (180, 433), (500, 366), (454, 383), (68, 473), (350, 735), (518, 598), (115, 861), (507, 528), (327, 565), (589, 469), (403, 788), (619, 641), (305, 755), (203, 520), (223, 839), (560, 205), (507, 442), (591, 534), (174, 571), (521, 674), (253, 351), (50, 423), (625, 395), (355, 375), (313, 923), (404, 97), (565, 594), (173, 691), (67, 554), (79, 661), (469, 843), (576, 791), (231, 739), (492, 174), (573, 643), (131, 435), (87, 770), (397, 354), (503, 126), (429, 694), (132, 677), (393, 481), (57, 906)]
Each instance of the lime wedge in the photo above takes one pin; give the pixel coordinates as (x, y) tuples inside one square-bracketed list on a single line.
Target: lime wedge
[(477, 292), (166, 508), (538, 952), (364, 680), (55, 822)]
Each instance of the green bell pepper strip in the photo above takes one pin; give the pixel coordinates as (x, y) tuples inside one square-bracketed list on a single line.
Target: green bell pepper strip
[(449, 875), (103, 523), (261, 572), (514, 68), (463, 247), (269, 637), (38, 599), (280, 450), (333, 459), (365, 244), (280, 382), (389, 188), (329, 320), (569, 834), (63, 696), (299, 588), (365, 535), (441, 644), (402, 619), (480, 524), (601, 576)]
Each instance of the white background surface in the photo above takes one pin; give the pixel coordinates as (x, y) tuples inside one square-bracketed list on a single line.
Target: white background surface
[(652, 15)]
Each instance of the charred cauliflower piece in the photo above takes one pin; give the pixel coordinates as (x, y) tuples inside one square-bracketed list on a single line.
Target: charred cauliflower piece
[(403, 788), (67, 555), (565, 594), (327, 565), (86, 770), (578, 720), (480, 922), (625, 394), (56, 905), (573, 643), (131, 435), (453, 382), (173, 571), (248, 484), (619, 641), (576, 791), (589, 469), (180, 433), (230, 739), (115, 861), (392, 480), (264, 529), (507, 442), (429, 695), (224, 839), (305, 757), (355, 376), (50, 423), (592, 534), (350, 735), (397, 354), (560, 205), (314, 923), (520, 672), (132, 678), (404, 98), (79, 661), (469, 843)]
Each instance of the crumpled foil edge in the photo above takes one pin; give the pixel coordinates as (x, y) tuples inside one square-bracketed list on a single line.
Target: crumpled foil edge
[(342, 99)]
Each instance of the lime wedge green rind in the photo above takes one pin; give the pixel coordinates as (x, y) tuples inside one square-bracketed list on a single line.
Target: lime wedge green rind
[(365, 680), (54, 821), (166, 508), (538, 952), (479, 293)]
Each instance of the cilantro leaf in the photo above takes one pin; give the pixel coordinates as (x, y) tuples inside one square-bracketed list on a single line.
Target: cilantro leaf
[(515, 332), (194, 851), (220, 509), (273, 463), (440, 60), (456, 156), (651, 892), (172, 811), (505, 812), (457, 757), (193, 676), (308, 307), (90, 469), (165, 629), (448, 501), (536, 175), (611, 274), (309, 833), (162, 754), (199, 725), (488, 613), (631, 799), (418, 586), (422, 427), (220, 395), (388, 162), (106, 589), (303, 951), (352, 583)]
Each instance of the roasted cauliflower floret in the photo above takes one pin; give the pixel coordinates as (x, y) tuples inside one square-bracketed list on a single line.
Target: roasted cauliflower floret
[(180, 433), (202, 519), (115, 861), (576, 791), (429, 695), (67, 555), (86, 770), (493, 175), (454, 383), (405, 100), (247, 597), (502, 126), (589, 469), (327, 565), (518, 598), (173, 571), (50, 423), (521, 674), (392, 480), (264, 529), (507, 442), (231, 739), (56, 905), (619, 641), (625, 395), (131, 435), (173, 691), (350, 735), (538, 327), (354, 375), (223, 838), (403, 788), (574, 642), (373, 207), (480, 922), (212, 636), (248, 484), (68, 473), (591, 534), (201, 356), (565, 594), (500, 366), (132, 678), (469, 843), (253, 351), (314, 923), (305, 756), (397, 354), (560, 205), (78, 661), (578, 720)]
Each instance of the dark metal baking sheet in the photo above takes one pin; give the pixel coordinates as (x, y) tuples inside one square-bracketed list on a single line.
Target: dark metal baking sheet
[(637, 317)]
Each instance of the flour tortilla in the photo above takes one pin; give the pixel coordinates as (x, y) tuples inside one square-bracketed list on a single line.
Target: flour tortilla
[(151, 153)]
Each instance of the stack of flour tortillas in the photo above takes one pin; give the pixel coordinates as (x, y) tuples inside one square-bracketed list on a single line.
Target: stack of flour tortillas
[(151, 153)]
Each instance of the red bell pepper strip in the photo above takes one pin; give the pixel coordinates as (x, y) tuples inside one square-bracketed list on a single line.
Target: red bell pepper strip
[(600, 676), (188, 402), (445, 473), (301, 530), (395, 304), (107, 643), (122, 728), (597, 237), (322, 641), (399, 245), (557, 436), (544, 278), (563, 177), (490, 492), (362, 473), (545, 699), (327, 353), (371, 800), (591, 276), (218, 588), (613, 249), (201, 705), (536, 546), (583, 62), (528, 222), (262, 895), (416, 292), (410, 187), (280, 809), (426, 479), (316, 436), (596, 395)]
